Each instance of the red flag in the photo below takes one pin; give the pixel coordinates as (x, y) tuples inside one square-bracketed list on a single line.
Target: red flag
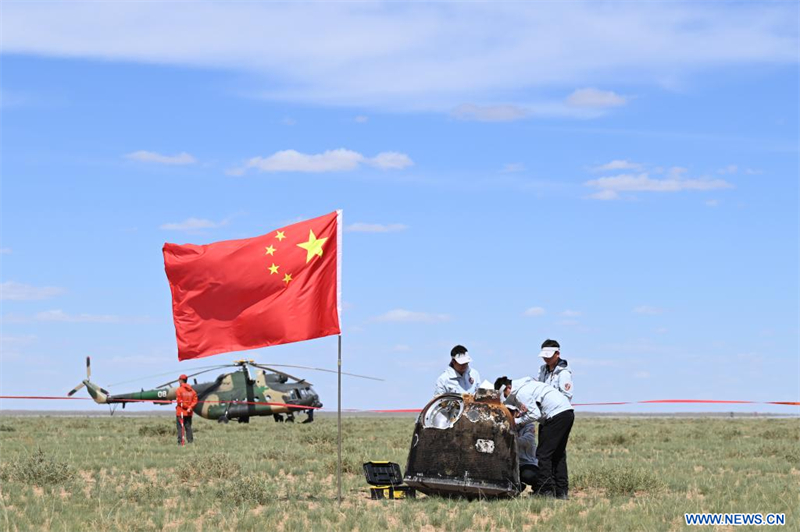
[(242, 294)]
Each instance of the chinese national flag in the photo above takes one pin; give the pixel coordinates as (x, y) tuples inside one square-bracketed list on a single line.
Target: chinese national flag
[(242, 294)]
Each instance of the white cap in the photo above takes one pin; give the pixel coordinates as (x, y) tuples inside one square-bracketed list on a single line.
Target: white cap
[(462, 358), (548, 352)]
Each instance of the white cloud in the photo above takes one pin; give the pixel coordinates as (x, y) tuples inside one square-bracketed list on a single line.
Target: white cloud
[(339, 160), (730, 169), (60, 315), (360, 227), (610, 187), (617, 164), (7, 341), (401, 315), (511, 168), (401, 348), (489, 113), (289, 122), (595, 99), (192, 224), (390, 160), (5, 251), (12, 291), (534, 312), (604, 195), (712, 203), (571, 313), (361, 119), (433, 55), (153, 157), (641, 375), (647, 309)]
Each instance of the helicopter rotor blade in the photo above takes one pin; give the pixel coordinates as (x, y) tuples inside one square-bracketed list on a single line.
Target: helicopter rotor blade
[(88, 368), (166, 373), (75, 389), (298, 379), (325, 370), (195, 374)]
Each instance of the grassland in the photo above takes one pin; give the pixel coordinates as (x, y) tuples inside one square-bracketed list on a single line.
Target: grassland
[(128, 474)]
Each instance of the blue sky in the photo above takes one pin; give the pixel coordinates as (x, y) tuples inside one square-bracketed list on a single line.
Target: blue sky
[(620, 177)]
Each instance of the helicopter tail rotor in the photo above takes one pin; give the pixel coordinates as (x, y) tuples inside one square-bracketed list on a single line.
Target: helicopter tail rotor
[(99, 394)]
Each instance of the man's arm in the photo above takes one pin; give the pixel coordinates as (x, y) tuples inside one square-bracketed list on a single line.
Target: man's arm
[(193, 402), (477, 378), (565, 383), (530, 410), (440, 387)]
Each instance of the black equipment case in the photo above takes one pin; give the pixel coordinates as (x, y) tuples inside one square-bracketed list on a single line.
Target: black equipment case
[(386, 480)]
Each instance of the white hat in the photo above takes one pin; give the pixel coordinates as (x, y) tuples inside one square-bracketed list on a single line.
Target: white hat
[(548, 352), (463, 358)]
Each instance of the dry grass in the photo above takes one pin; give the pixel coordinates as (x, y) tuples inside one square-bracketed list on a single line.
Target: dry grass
[(128, 474)]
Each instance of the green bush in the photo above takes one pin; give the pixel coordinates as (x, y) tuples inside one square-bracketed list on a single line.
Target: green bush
[(38, 468), (156, 430), (618, 480), (210, 467), (247, 491), (149, 493), (617, 438)]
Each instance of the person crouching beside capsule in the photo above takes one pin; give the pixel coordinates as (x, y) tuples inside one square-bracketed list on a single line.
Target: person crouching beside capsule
[(537, 401), (185, 401), (458, 377)]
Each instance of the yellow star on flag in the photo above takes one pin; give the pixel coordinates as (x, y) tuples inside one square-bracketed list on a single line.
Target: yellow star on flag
[(273, 269), (280, 235), (313, 246), (287, 278), (270, 250)]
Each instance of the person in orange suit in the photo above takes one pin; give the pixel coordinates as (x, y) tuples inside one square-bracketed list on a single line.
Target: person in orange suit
[(186, 399)]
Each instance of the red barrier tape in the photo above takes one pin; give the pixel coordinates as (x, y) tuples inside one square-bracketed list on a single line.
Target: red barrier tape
[(156, 401), (415, 410), (652, 401)]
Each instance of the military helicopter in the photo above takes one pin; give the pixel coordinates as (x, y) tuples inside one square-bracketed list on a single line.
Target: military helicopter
[(233, 395)]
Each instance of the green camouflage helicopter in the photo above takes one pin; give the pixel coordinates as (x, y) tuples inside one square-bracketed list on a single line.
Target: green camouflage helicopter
[(234, 395)]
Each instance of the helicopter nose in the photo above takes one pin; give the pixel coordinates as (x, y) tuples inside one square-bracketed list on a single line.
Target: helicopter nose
[(314, 397)]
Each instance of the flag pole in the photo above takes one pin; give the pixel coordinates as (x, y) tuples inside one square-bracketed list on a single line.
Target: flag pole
[(339, 362), (339, 418)]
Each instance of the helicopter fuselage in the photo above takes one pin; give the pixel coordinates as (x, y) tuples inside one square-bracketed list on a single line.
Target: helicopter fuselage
[(232, 395)]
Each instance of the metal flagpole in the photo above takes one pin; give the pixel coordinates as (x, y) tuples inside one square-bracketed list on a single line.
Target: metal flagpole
[(339, 364), (339, 417)]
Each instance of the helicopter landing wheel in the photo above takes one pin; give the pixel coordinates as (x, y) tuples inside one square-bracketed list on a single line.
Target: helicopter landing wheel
[(223, 419)]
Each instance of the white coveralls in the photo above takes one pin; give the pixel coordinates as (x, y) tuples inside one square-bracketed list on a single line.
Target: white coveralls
[(560, 378), (451, 381)]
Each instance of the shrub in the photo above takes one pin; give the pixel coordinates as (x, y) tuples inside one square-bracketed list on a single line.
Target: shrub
[(246, 490), (618, 480), (7, 428), (156, 430), (617, 438), (149, 493), (39, 469), (213, 466)]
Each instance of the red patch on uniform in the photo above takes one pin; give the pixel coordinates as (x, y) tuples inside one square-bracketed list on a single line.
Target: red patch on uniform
[(567, 386)]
